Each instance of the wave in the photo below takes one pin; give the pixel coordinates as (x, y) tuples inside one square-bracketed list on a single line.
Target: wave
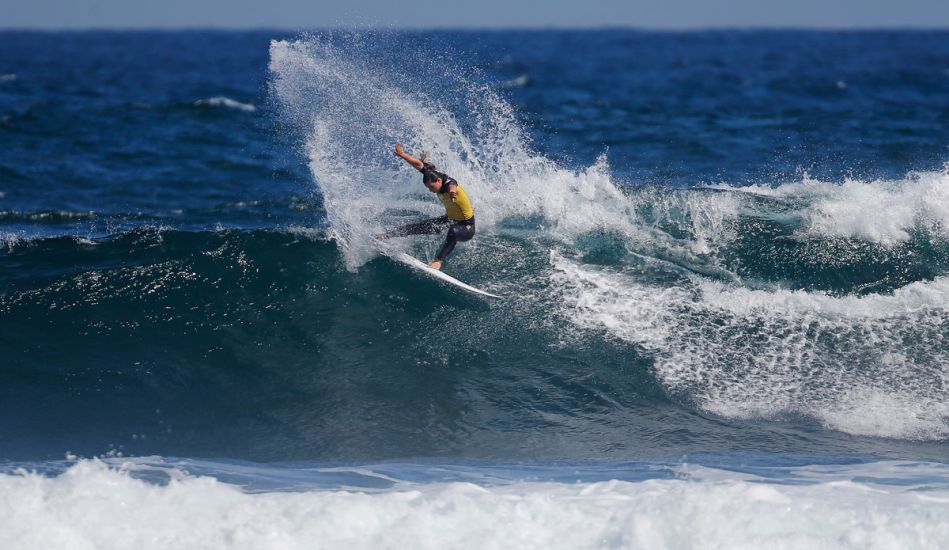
[(9, 239), (177, 329), (184, 330), (812, 300), (871, 365), (626, 305), (99, 506), (884, 212), (517, 82), (45, 217), (225, 102)]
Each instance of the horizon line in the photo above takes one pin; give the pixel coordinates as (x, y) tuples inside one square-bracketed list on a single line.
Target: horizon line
[(480, 28)]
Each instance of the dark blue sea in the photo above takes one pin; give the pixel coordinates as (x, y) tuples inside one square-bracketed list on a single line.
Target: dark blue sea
[(723, 258)]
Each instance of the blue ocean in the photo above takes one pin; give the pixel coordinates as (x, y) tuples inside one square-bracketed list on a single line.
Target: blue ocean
[(722, 256)]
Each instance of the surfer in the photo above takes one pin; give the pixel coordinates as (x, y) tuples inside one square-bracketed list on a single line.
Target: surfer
[(458, 218)]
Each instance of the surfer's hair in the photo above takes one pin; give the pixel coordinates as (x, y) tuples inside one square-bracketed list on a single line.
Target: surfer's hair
[(429, 176)]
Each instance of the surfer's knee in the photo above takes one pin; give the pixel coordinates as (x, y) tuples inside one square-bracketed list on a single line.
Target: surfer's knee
[(463, 232)]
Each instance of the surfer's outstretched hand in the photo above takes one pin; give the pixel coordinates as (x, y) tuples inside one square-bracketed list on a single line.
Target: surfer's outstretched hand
[(400, 152)]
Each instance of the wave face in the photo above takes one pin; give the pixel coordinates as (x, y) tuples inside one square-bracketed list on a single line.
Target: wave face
[(798, 300), (212, 295)]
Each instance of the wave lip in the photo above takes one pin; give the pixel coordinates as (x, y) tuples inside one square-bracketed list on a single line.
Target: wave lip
[(884, 212), (226, 102)]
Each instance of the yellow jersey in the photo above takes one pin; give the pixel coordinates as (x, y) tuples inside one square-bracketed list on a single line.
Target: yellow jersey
[(460, 209)]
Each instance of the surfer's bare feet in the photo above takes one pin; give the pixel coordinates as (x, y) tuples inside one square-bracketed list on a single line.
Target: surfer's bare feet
[(437, 264)]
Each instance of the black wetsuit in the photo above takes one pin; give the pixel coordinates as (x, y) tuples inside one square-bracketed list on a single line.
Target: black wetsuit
[(458, 230)]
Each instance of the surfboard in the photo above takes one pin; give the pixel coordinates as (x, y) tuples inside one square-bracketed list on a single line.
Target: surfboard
[(418, 265)]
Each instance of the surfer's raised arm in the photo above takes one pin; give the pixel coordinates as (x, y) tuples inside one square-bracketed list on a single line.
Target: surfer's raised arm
[(400, 152), (459, 215)]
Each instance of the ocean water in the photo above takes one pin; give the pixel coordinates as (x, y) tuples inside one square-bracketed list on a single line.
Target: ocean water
[(723, 256)]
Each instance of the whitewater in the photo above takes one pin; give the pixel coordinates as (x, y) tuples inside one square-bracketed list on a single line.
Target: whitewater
[(94, 504)]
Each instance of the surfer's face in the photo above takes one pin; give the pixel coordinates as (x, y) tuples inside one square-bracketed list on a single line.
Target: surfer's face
[(434, 186)]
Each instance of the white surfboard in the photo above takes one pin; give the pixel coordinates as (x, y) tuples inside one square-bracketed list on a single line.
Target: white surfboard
[(404, 258)]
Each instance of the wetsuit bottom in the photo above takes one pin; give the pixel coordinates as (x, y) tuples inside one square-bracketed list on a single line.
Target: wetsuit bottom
[(458, 231)]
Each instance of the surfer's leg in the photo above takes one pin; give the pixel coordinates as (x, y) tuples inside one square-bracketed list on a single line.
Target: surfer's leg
[(427, 227), (459, 231)]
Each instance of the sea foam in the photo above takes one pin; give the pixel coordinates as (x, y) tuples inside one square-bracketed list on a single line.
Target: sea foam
[(869, 365), (880, 211), (92, 505)]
